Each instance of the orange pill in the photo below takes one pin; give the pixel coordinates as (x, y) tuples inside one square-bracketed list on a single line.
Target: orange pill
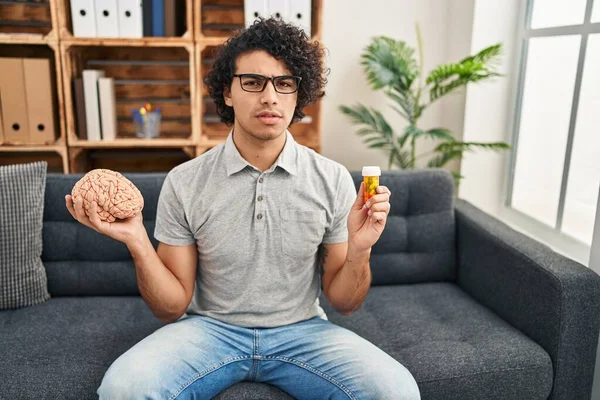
[(371, 176)]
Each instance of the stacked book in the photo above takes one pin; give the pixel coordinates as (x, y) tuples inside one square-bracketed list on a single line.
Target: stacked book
[(94, 99)]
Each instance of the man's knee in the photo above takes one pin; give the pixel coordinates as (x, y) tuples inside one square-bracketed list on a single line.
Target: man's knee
[(397, 383), (122, 382)]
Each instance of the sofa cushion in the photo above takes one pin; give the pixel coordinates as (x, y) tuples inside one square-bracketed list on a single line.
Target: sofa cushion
[(418, 243), (62, 348), (23, 280), (454, 347)]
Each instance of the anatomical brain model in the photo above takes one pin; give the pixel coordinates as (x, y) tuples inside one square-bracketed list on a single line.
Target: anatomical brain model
[(116, 196)]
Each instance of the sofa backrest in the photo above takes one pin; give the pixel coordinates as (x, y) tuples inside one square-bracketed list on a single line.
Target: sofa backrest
[(418, 243), (416, 246), (81, 261)]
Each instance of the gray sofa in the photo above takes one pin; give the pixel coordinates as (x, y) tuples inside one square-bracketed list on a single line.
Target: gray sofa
[(473, 309)]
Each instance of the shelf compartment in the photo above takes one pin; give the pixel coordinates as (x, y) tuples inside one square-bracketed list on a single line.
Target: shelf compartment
[(183, 37), (57, 163), (33, 20), (164, 77), (222, 18), (129, 160), (49, 51)]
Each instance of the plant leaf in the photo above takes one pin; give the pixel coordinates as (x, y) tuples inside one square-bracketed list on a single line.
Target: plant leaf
[(403, 101), (442, 159), (471, 146), (448, 77), (389, 63), (439, 133)]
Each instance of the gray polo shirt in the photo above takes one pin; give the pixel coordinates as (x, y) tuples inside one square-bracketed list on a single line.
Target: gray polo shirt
[(257, 233)]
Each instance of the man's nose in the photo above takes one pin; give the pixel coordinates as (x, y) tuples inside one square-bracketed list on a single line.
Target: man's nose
[(269, 95)]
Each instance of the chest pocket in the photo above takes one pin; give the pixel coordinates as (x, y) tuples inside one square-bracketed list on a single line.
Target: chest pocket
[(301, 231)]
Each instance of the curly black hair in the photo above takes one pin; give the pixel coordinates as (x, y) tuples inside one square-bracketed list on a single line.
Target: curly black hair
[(284, 42)]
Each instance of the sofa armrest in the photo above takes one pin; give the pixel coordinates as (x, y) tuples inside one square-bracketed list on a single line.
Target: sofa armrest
[(551, 298)]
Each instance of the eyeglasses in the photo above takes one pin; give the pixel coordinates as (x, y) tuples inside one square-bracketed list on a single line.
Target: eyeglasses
[(286, 84)]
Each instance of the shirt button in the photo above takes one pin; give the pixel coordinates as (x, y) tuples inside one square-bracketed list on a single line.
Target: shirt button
[(260, 198), (259, 216), (260, 180)]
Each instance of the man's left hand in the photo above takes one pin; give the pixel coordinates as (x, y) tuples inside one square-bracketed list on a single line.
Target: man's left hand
[(367, 221)]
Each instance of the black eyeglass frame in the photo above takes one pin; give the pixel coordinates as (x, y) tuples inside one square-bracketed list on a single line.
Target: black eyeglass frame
[(267, 79)]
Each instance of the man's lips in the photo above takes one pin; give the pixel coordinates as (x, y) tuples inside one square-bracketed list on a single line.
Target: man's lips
[(268, 117), (269, 114)]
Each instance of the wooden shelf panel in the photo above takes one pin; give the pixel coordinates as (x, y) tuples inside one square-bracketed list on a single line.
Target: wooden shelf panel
[(125, 42), (132, 143), (30, 148), (18, 38), (26, 17)]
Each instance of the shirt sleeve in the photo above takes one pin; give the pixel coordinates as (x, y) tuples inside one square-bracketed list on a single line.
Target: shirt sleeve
[(171, 223), (345, 197)]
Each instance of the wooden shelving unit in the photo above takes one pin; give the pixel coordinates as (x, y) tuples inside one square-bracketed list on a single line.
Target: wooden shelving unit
[(165, 71)]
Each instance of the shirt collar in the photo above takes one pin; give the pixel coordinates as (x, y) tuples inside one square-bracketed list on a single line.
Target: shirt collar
[(287, 158)]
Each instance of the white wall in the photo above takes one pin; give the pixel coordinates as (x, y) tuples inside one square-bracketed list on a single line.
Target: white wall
[(348, 28), (488, 106)]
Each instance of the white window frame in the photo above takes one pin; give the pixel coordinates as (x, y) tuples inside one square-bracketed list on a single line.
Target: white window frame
[(553, 237)]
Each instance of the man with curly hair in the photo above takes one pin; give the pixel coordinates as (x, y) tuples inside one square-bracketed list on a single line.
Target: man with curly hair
[(249, 234)]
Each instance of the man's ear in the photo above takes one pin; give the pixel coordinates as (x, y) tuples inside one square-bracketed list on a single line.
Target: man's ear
[(227, 96)]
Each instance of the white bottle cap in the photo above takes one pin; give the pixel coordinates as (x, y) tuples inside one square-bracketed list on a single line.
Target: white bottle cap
[(371, 171)]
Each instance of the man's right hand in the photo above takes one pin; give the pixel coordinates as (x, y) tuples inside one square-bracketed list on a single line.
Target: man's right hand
[(127, 231)]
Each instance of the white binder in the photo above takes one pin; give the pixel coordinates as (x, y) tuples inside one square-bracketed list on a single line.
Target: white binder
[(130, 19), (107, 18), (108, 111), (300, 14), (83, 18), (254, 9), (92, 108), (278, 9)]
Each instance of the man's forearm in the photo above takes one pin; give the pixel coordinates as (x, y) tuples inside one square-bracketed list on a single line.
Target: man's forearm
[(159, 288), (351, 284)]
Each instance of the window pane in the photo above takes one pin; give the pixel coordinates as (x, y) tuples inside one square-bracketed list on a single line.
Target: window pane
[(549, 13), (545, 112), (596, 11), (584, 173)]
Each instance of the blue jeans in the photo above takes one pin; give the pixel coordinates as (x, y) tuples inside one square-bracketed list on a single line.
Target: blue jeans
[(198, 357)]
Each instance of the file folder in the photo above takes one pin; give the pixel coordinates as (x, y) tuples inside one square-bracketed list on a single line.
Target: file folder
[(108, 111), (40, 100), (13, 100), (107, 18), (130, 18), (158, 12), (83, 17), (301, 14), (278, 9), (254, 9), (92, 108)]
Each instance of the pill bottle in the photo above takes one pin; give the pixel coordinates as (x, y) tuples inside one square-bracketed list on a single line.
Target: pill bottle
[(371, 179)]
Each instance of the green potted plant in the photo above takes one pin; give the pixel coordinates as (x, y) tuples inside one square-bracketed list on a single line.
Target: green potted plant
[(390, 65)]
